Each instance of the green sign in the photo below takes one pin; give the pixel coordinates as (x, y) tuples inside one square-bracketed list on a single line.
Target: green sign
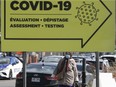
[(58, 25)]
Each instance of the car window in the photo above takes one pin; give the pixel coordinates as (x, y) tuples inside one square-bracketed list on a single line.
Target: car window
[(93, 63), (40, 68), (51, 59), (4, 60), (12, 60), (16, 60), (110, 59), (89, 69)]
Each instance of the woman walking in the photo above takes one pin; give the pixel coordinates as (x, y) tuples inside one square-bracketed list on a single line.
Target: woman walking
[(66, 71)]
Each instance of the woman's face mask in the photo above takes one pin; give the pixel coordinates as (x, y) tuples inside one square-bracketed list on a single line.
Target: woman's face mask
[(67, 56)]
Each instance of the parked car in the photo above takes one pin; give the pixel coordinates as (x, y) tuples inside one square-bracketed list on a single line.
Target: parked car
[(101, 64), (39, 75), (53, 58), (10, 67), (110, 58)]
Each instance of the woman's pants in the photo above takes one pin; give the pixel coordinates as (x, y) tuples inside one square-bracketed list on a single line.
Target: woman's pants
[(64, 86)]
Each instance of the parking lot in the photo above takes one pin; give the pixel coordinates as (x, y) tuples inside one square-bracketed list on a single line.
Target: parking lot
[(44, 71), (7, 83)]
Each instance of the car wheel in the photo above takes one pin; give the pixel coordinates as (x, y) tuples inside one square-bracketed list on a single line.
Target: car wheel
[(10, 75)]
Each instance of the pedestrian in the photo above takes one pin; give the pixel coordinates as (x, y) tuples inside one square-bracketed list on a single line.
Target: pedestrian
[(66, 71)]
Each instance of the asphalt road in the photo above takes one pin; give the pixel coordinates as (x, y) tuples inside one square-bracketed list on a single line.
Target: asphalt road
[(7, 83)]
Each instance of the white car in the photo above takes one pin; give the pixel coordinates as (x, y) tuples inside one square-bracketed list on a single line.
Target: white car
[(10, 67), (110, 58)]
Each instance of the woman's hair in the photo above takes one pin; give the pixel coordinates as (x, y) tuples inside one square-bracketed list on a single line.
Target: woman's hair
[(67, 60), (65, 63)]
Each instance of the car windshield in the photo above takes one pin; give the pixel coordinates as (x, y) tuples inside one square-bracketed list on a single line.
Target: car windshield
[(4, 60), (110, 59), (51, 59), (41, 68)]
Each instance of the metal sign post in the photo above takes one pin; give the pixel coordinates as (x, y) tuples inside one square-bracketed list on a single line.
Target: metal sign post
[(84, 73), (24, 69), (97, 69)]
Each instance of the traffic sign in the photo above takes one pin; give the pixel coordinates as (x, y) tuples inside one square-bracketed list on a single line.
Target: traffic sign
[(63, 25)]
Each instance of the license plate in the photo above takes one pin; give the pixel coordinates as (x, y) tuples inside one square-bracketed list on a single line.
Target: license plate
[(35, 79)]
